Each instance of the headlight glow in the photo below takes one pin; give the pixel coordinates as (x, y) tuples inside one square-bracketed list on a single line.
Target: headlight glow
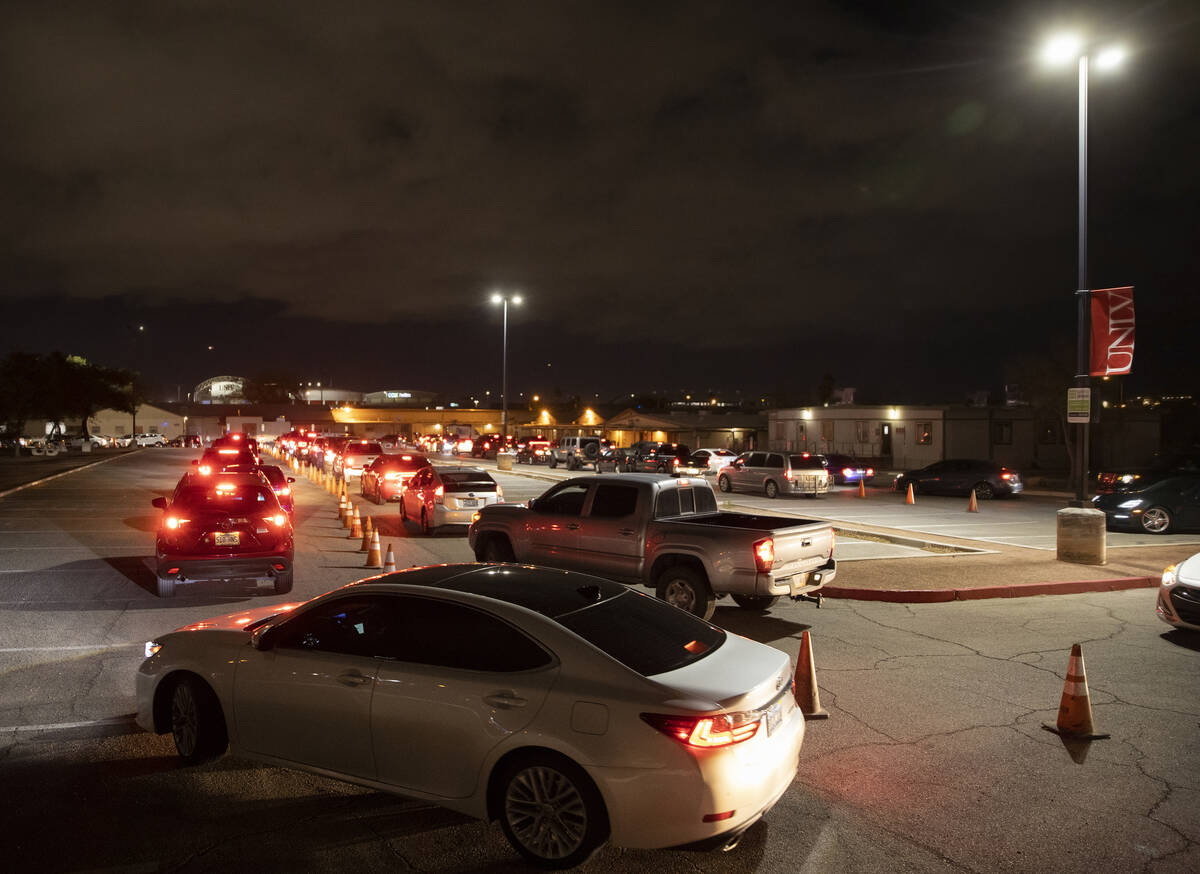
[(152, 647), (1168, 575), (1129, 505)]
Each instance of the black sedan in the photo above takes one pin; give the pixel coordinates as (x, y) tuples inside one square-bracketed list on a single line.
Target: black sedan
[(961, 476), (1161, 508), (846, 469)]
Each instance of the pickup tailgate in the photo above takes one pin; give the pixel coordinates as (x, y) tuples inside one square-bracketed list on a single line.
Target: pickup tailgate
[(799, 549)]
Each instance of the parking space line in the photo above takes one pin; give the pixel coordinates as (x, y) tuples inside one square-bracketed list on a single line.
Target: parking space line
[(98, 646)]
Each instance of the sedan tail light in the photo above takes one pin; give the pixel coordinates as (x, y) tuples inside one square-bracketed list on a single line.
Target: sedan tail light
[(707, 732), (1006, 476), (764, 555), (847, 472), (870, 471)]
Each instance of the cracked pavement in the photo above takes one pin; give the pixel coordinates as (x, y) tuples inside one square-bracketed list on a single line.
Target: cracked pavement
[(933, 759)]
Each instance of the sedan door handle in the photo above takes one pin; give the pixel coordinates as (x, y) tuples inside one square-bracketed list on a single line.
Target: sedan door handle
[(353, 678), (627, 532), (506, 700), (573, 526)]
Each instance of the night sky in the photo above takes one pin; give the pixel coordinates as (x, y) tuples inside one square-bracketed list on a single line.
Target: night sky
[(690, 195)]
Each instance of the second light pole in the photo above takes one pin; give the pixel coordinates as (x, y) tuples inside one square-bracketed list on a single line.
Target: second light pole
[(504, 298)]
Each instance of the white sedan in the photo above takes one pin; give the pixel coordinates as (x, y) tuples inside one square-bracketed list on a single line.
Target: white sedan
[(1179, 595), (572, 709), (717, 458)]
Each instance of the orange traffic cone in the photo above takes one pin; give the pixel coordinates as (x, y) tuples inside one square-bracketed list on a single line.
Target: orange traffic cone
[(862, 488), (389, 563), (367, 531), (910, 499), (355, 527), (341, 508), (1075, 711), (348, 522), (973, 503), (373, 559), (807, 696)]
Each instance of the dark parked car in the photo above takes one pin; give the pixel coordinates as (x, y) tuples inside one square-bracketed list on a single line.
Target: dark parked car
[(847, 469), (961, 476), (1134, 478), (228, 526), (649, 456), (1169, 505)]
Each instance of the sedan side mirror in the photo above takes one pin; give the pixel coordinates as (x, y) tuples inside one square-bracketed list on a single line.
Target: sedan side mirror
[(260, 639), (160, 503), (291, 479)]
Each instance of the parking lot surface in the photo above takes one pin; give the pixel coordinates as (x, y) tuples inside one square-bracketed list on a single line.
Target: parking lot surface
[(933, 759)]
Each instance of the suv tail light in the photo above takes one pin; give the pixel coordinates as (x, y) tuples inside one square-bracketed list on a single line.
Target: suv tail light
[(439, 495), (764, 555), (279, 519), (174, 522), (707, 732)]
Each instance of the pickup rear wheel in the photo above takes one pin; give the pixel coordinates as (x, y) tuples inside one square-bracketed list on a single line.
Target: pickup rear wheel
[(497, 548), (682, 587), (756, 602)]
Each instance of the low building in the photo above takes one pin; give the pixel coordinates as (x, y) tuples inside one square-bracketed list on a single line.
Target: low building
[(149, 419)]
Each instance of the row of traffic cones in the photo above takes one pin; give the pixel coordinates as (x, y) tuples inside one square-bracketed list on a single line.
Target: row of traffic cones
[(910, 498), (362, 529), (1074, 710)]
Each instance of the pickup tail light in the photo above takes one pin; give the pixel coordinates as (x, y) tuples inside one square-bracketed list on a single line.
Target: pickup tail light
[(707, 732), (832, 541), (764, 555), (499, 492)]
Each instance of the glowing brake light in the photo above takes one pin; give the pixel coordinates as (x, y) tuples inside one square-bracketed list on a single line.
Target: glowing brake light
[(764, 555), (805, 454), (204, 469), (406, 458), (1006, 476), (174, 522), (225, 488), (870, 471), (787, 474), (847, 472), (707, 732), (227, 451), (283, 491), (279, 519)]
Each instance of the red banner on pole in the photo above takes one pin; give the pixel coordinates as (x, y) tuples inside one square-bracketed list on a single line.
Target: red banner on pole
[(1112, 331)]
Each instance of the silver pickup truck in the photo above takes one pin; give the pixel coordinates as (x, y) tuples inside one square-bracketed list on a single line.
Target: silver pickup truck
[(664, 532)]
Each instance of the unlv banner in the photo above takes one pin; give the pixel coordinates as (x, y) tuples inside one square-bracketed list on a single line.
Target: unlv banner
[(1112, 331)]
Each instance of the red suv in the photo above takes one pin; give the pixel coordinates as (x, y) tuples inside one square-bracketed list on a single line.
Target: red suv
[(227, 526), (384, 478)]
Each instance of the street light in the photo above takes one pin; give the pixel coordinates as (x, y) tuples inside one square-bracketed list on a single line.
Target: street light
[(504, 299), (1060, 50)]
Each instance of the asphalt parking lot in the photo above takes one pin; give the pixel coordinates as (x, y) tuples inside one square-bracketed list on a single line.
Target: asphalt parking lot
[(933, 758)]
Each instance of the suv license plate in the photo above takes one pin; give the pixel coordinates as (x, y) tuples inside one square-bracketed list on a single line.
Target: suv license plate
[(468, 502), (230, 538)]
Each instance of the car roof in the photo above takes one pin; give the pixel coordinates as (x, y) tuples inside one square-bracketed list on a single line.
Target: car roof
[(551, 592)]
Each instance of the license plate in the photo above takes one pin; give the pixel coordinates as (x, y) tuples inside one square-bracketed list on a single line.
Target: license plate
[(468, 502), (227, 538), (774, 716)]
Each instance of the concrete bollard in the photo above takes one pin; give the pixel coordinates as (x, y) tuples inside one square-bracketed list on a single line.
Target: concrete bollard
[(1081, 536), (504, 461)]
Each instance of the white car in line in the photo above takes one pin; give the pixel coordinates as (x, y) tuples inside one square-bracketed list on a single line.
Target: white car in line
[(717, 458), (1178, 601), (572, 709)]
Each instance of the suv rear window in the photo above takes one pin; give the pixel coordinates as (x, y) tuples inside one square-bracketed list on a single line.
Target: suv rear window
[(644, 634), (240, 499), (364, 449), (399, 462)]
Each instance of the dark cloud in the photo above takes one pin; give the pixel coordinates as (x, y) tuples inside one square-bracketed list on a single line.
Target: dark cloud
[(762, 183)]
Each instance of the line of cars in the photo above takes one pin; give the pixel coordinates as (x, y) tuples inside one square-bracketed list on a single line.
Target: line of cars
[(228, 518)]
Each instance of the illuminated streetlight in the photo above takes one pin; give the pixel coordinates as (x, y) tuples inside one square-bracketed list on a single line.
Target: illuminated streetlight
[(1060, 50), (504, 299)]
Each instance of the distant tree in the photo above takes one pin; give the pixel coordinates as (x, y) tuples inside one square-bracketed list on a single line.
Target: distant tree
[(1043, 381), (22, 386), (825, 388), (270, 388)]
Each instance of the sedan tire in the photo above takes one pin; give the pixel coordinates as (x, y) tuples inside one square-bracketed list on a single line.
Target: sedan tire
[(197, 724), (682, 587), (426, 526), (550, 810), (1156, 520), (984, 491), (724, 484), (283, 583)]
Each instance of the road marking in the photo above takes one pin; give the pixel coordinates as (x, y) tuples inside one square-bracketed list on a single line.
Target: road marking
[(63, 726), (70, 648), (38, 482)]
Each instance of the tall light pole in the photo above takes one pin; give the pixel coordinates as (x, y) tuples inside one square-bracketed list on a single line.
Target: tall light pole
[(503, 299), (1060, 50)]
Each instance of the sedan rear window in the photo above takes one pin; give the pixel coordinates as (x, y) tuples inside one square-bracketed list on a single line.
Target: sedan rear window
[(393, 462), (364, 449), (468, 482), (643, 633)]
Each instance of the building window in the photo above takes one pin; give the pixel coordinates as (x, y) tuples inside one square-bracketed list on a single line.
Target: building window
[(827, 431), (924, 433), (862, 432), (118, 429), (1002, 433)]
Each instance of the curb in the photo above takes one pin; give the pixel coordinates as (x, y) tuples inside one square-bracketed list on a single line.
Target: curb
[(1014, 590)]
